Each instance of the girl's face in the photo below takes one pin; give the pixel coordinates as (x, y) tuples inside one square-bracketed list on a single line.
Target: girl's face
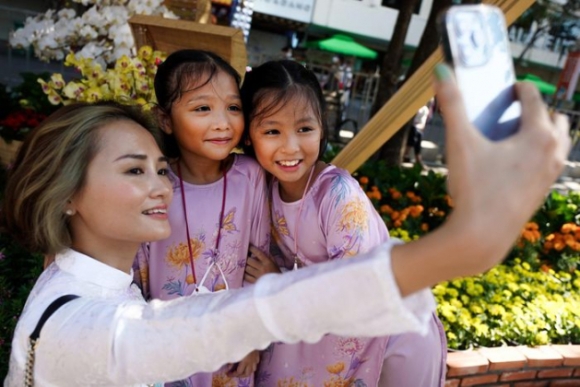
[(124, 199), (207, 121), (287, 142)]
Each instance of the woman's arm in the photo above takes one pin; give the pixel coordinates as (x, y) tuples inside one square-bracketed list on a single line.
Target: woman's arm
[(97, 342)]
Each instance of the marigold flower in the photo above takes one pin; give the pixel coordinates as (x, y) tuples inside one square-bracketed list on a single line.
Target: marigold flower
[(569, 228), (424, 227), (385, 209), (415, 211), (364, 180), (396, 194)]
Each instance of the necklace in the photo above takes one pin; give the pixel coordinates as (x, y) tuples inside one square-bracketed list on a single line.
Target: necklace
[(218, 238), (297, 220)]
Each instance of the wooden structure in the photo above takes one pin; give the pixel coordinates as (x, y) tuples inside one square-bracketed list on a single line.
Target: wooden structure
[(169, 35), (196, 10), (404, 104)]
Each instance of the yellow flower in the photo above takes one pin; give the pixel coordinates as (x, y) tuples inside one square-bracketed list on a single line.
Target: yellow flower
[(335, 368), (73, 90), (56, 81), (145, 52), (178, 256), (93, 94), (123, 64)]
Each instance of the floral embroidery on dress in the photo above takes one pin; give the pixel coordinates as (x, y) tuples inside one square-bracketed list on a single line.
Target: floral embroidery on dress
[(280, 224), (178, 257)]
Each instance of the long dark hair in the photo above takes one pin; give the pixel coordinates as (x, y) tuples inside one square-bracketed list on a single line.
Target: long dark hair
[(179, 71), (280, 81)]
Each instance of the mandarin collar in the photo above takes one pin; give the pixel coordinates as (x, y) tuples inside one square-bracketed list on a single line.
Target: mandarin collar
[(90, 270)]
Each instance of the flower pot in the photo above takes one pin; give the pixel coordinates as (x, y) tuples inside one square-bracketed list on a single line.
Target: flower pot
[(8, 151)]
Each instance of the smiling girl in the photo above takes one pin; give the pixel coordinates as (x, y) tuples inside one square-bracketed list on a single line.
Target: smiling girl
[(220, 203), (320, 213)]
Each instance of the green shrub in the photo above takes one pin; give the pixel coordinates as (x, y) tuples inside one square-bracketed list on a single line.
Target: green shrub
[(19, 269)]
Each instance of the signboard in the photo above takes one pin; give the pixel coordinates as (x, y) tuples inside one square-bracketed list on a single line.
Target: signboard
[(299, 10), (569, 77)]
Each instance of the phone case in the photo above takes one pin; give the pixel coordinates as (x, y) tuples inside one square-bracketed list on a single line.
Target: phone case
[(476, 44)]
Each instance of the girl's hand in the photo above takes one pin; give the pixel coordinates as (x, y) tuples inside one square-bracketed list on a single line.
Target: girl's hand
[(246, 367), (259, 264)]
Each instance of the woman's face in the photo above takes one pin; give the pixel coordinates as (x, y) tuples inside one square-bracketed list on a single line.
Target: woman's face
[(126, 192)]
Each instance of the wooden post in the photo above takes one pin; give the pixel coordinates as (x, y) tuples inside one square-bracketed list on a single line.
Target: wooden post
[(406, 101)]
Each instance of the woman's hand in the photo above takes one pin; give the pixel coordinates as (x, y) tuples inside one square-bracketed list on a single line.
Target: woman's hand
[(496, 187), (246, 367), (259, 264)]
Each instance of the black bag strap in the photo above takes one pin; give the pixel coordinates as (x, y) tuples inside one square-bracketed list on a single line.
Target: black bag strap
[(33, 339), (53, 307)]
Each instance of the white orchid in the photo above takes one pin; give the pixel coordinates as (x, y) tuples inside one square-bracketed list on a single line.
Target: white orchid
[(102, 32)]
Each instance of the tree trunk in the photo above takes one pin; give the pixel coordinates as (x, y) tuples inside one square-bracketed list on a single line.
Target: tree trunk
[(537, 32), (394, 149), (390, 70)]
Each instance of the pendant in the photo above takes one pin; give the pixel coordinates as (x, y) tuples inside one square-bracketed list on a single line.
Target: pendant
[(295, 263)]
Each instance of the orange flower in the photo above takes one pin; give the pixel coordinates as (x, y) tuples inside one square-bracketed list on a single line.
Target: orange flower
[(394, 193), (531, 235), (569, 228), (335, 368), (415, 211), (364, 180), (531, 226), (189, 279), (397, 223), (386, 209), (424, 227), (395, 215)]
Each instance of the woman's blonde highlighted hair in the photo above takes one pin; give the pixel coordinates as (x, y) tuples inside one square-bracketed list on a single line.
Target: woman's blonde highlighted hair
[(51, 167)]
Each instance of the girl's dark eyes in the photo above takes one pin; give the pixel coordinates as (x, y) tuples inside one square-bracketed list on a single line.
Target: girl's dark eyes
[(235, 108), (136, 171), (163, 172), (272, 131), (202, 109), (305, 130)]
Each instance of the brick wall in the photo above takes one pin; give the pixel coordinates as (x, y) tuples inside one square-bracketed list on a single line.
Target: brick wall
[(544, 366)]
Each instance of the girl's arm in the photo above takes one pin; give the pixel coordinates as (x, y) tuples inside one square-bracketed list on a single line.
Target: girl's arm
[(496, 188)]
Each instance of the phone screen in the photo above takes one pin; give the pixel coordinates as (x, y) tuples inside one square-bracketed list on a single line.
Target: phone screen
[(476, 44)]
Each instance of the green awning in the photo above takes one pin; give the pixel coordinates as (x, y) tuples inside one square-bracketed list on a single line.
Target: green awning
[(543, 86), (345, 45)]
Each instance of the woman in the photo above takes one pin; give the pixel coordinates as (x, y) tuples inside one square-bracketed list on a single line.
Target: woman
[(89, 184)]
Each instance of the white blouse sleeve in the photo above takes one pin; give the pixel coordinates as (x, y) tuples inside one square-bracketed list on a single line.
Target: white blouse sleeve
[(100, 343)]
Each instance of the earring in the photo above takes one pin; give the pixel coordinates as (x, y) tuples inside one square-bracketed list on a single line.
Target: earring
[(247, 142), (69, 212)]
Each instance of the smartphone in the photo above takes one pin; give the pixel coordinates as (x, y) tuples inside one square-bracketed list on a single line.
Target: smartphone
[(476, 45)]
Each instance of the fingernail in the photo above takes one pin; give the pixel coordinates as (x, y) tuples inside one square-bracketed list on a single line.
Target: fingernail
[(442, 72)]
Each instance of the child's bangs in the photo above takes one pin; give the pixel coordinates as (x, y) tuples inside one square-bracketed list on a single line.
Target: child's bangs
[(270, 101)]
